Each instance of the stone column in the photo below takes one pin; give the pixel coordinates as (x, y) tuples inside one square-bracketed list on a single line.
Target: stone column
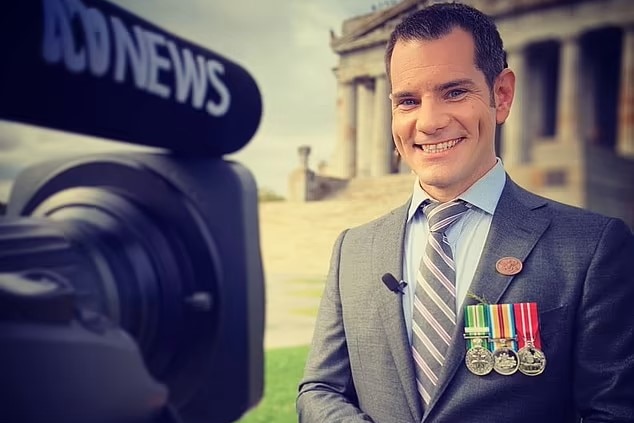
[(304, 152), (625, 141), (382, 144), (568, 110), (514, 148), (300, 184), (365, 106), (347, 130)]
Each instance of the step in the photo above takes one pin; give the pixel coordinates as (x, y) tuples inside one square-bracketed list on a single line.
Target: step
[(297, 238), (377, 187)]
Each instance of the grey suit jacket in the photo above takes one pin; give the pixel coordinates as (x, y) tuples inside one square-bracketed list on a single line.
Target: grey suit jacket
[(578, 267)]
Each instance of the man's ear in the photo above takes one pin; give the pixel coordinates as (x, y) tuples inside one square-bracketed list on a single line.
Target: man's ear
[(503, 93)]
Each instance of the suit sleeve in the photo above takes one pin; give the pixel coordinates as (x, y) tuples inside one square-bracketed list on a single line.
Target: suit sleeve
[(327, 393), (604, 349)]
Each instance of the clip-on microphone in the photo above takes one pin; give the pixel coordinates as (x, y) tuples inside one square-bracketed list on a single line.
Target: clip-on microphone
[(392, 284)]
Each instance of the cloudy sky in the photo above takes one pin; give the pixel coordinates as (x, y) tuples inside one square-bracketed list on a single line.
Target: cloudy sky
[(284, 44)]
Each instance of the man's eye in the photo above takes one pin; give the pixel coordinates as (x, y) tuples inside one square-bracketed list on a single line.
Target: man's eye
[(407, 102), (454, 94)]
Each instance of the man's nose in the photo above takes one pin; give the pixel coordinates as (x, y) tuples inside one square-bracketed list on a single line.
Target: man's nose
[(432, 116)]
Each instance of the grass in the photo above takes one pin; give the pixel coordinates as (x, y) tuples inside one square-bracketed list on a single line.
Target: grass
[(283, 369)]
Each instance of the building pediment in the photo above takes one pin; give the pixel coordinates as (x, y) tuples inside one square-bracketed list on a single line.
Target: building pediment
[(372, 29), (375, 28)]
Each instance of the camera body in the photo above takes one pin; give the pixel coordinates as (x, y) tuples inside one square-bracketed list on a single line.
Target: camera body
[(131, 284)]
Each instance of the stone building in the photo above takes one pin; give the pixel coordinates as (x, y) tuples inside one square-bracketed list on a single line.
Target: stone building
[(570, 136)]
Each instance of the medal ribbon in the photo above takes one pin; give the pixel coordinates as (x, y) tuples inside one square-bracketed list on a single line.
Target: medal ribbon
[(502, 324), (527, 324), (476, 318)]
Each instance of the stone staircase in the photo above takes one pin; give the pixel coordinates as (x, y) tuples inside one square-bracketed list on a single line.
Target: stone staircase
[(377, 188)]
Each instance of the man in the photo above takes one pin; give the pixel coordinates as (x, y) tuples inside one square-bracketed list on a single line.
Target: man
[(382, 356)]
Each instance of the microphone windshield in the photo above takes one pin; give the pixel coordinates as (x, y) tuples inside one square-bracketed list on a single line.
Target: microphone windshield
[(91, 67)]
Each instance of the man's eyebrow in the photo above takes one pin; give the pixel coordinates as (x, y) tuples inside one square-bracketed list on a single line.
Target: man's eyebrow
[(402, 94), (465, 82)]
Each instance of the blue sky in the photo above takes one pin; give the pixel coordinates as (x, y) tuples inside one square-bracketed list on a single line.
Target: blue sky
[(284, 44)]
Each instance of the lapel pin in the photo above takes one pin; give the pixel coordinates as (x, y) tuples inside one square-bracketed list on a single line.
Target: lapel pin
[(508, 266)]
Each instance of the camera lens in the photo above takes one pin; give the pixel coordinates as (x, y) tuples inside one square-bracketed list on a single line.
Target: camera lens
[(137, 238), (135, 251)]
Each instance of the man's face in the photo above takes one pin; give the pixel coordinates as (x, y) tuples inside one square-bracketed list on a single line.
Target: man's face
[(443, 120)]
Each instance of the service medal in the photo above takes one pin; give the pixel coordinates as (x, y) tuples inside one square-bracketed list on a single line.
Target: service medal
[(532, 361), (532, 358), (502, 323), (505, 361), (479, 359)]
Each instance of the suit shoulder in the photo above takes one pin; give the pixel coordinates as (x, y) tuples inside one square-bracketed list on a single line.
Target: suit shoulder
[(394, 215), (568, 215), (386, 226)]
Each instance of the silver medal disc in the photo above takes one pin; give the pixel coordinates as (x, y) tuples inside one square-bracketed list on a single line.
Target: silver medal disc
[(479, 360), (505, 361), (532, 361)]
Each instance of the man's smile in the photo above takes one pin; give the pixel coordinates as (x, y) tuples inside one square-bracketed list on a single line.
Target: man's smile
[(439, 147)]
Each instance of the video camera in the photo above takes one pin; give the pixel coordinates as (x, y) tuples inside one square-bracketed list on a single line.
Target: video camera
[(131, 284)]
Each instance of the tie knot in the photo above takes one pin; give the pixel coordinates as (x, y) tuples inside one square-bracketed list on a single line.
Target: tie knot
[(440, 216)]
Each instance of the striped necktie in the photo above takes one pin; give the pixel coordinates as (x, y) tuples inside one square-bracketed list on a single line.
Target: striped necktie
[(434, 317)]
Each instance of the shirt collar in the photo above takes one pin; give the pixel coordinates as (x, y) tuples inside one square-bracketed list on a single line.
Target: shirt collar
[(483, 194)]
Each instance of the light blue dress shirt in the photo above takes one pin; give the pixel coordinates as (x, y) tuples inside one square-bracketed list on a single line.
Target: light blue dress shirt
[(466, 237)]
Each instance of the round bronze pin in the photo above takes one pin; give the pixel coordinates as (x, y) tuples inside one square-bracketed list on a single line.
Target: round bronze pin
[(508, 266)]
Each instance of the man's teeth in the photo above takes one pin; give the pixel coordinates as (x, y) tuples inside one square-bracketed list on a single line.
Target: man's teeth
[(442, 146)]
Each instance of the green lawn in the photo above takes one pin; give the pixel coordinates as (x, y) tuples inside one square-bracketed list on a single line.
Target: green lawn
[(283, 369)]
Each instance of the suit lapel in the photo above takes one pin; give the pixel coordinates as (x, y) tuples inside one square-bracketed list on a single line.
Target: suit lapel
[(514, 231), (389, 238)]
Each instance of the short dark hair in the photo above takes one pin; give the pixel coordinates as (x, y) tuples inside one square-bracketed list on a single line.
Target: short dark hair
[(438, 20)]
